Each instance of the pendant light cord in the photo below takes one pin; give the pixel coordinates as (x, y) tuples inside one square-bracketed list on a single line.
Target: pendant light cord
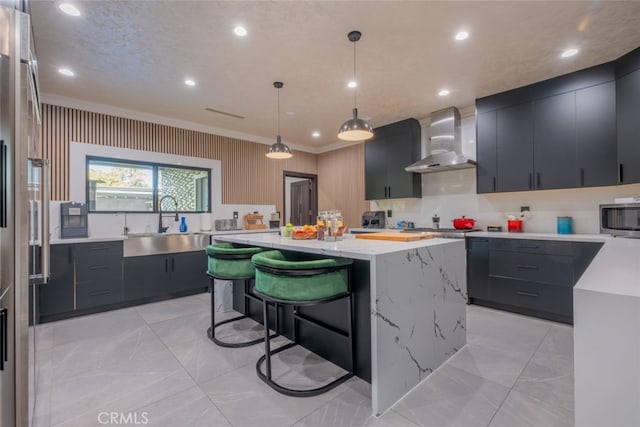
[(355, 89), (278, 89)]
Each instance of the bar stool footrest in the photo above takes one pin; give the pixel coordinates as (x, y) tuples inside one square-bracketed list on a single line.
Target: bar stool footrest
[(296, 392), (216, 340)]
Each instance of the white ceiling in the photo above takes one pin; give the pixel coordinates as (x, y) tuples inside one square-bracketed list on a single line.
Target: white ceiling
[(135, 55)]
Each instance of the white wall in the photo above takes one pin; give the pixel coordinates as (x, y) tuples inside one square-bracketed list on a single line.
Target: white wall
[(452, 194), (101, 225)]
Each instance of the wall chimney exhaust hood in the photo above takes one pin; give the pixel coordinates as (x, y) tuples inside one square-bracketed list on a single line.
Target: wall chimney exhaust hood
[(446, 145)]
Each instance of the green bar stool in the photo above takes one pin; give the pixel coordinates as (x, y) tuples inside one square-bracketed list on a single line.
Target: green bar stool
[(293, 279), (228, 261)]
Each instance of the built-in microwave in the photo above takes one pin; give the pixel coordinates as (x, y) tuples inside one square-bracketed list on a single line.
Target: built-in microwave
[(620, 219)]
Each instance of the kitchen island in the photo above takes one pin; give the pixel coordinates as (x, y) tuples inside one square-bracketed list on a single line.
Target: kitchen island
[(413, 307), (607, 337)]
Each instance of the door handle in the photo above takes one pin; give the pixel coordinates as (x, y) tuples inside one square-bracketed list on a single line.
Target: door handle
[(166, 265), (389, 191), (3, 184), (620, 172), (385, 191), (527, 294)]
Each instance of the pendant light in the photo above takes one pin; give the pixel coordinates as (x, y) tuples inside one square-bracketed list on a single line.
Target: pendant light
[(278, 150), (355, 129)]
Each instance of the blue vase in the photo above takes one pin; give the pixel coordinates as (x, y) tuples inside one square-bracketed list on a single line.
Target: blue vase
[(183, 225)]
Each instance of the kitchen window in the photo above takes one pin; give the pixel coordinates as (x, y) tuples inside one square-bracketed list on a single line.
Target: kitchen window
[(115, 185)]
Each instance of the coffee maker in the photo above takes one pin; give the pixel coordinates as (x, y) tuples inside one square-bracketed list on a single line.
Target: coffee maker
[(73, 220)]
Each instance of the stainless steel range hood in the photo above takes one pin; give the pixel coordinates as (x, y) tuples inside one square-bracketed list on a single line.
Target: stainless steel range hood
[(446, 145)]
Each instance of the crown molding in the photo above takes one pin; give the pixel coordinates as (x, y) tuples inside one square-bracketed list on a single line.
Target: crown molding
[(93, 107)]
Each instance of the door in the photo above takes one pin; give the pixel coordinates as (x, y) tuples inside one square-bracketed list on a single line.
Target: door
[(596, 135), (554, 142), (515, 148), (300, 199), (627, 107), (375, 169), (403, 149), (57, 295), (188, 271), (486, 152)]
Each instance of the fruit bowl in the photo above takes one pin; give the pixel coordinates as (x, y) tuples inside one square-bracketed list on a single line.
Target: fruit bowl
[(307, 232)]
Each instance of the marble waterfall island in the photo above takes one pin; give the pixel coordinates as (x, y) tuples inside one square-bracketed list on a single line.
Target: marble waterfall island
[(414, 308)]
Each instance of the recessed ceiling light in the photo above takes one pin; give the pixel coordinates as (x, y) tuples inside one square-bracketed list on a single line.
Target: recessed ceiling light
[(315, 134), (462, 35), (443, 92), (66, 72), (569, 52), (352, 84), (69, 9), (190, 82), (240, 31)]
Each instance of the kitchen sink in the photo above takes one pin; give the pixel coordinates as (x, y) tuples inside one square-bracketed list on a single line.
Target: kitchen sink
[(141, 244)]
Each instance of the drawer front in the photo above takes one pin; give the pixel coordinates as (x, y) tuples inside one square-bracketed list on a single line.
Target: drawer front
[(552, 269), (531, 295), (99, 291), (96, 251), (548, 247), (99, 268)]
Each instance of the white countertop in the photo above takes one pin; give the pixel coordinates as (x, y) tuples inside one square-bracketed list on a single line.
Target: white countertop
[(615, 269), (598, 238), (350, 247), (59, 241)]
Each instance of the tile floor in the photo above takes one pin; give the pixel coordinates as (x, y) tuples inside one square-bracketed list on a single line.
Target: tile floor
[(154, 363)]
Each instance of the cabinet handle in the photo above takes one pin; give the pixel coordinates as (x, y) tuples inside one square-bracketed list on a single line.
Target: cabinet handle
[(582, 177), (3, 338), (620, 172), (538, 180), (530, 181), (103, 292), (173, 264), (389, 191), (528, 267), (97, 249), (528, 247), (98, 267), (494, 183), (70, 254), (527, 294), (166, 265)]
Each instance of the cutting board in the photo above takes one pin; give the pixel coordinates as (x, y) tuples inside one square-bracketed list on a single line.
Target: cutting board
[(397, 237)]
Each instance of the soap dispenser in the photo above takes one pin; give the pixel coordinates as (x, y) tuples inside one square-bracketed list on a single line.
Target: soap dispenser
[(183, 225)]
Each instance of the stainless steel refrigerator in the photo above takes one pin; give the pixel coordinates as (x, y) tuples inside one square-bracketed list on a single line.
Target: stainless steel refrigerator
[(24, 219)]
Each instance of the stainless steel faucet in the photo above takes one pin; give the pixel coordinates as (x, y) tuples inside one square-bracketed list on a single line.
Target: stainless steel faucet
[(162, 229)]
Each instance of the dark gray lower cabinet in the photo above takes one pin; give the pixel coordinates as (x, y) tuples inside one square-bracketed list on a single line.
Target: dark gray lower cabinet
[(158, 275), (98, 270), (533, 277), (56, 296)]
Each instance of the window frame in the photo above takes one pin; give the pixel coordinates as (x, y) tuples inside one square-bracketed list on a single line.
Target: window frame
[(154, 167)]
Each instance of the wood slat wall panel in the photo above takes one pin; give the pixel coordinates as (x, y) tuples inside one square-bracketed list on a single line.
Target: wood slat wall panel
[(341, 183), (248, 177)]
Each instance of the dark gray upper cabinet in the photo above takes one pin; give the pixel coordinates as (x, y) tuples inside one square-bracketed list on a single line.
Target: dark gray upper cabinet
[(596, 135), (559, 133), (514, 143), (554, 142), (392, 148), (486, 153), (628, 117)]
